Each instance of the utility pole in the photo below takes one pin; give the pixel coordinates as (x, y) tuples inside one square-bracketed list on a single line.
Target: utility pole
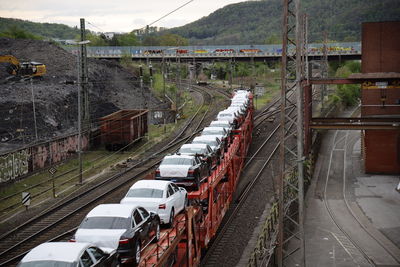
[(324, 70), (80, 118), (141, 84), (290, 186), (82, 94), (84, 80), (163, 75), (178, 90), (151, 83), (34, 111), (230, 74)]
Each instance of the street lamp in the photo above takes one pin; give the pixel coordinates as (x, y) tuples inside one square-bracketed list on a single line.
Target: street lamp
[(81, 44)]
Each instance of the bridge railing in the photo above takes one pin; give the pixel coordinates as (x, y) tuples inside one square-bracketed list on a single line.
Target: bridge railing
[(314, 49)]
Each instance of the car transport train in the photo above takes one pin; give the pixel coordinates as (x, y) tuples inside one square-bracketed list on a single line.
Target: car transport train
[(171, 219)]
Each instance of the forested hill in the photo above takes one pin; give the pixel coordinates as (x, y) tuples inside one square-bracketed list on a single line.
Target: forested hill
[(258, 22), (45, 30)]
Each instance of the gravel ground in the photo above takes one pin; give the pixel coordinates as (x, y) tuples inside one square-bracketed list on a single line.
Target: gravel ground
[(21, 217), (111, 87)]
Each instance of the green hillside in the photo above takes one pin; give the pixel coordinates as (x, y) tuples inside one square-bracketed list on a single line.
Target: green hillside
[(45, 30), (258, 22)]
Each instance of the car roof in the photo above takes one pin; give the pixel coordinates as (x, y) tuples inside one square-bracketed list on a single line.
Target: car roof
[(195, 145), (112, 210), (220, 122), (180, 156), (213, 128), (206, 137), (60, 251), (154, 184)]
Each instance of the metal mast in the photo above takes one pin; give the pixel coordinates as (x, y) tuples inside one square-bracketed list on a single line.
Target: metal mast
[(84, 80), (291, 192)]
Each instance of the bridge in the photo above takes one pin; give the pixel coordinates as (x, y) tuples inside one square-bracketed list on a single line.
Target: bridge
[(349, 50)]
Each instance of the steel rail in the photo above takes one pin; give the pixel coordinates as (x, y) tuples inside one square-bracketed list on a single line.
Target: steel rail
[(246, 191), (331, 214), (80, 195)]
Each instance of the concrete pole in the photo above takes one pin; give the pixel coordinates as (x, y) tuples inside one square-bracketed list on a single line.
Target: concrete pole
[(34, 111), (80, 120)]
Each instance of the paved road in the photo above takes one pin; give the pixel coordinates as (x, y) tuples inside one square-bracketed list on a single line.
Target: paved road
[(344, 204)]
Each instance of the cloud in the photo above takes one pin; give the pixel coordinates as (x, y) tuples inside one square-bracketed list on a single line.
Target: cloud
[(116, 15)]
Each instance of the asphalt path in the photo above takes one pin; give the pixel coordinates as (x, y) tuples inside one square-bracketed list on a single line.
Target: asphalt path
[(352, 218)]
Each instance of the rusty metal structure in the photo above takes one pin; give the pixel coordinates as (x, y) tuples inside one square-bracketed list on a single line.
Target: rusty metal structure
[(290, 185), (380, 99)]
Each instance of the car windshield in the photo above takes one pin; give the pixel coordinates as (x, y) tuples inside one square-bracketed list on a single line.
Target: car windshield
[(192, 150), (145, 193), (47, 264), (213, 132), (207, 142), (222, 115), (225, 125), (176, 161), (105, 223)]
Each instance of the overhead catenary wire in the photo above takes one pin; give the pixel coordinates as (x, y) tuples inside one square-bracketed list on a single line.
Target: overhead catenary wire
[(169, 13)]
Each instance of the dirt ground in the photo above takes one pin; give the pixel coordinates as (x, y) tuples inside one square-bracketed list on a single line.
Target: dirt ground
[(111, 87)]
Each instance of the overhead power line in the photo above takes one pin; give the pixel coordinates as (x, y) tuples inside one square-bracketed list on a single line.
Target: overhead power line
[(166, 15)]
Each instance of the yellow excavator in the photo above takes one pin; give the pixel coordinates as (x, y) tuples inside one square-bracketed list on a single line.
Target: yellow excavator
[(23, 70)]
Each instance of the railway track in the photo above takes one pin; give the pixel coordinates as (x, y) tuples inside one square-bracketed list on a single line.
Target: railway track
[(57, 221), (356, 249), (255, 169)]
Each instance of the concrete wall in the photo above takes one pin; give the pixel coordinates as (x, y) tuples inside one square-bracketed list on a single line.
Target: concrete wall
[(16, 164)]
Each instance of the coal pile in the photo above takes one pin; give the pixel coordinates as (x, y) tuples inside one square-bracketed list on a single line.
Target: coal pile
[(111, 87)]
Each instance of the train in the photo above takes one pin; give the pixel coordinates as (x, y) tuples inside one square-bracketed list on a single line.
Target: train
[(188, 233)]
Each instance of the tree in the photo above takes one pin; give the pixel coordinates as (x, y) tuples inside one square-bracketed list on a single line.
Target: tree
[(171, 39), (95, 40), (17, 33), (151, 40), (273, 39), (127, 39)]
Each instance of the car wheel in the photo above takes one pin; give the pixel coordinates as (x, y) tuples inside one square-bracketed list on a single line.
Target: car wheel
[(137, 253), (171, 218), (158, 233)]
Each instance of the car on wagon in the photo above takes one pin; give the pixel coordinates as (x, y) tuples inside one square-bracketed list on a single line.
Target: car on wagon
[(67, 254), (231, 116), (214, 142), (162, 197), (205, 152), (225, 124), (219, 132), (126, 228), (183, 170)]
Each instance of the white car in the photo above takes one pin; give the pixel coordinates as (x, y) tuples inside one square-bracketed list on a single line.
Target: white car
[(213, 141), (162, 197), (228, 127), (68, 254), (230, 115), (205, 152), (126, 228)]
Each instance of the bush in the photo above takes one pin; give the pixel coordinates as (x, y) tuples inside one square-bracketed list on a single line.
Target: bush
[(16, 33), (348, 94)]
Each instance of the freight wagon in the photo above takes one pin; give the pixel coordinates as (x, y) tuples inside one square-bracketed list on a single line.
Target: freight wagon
[(183, 244), (122, 128)]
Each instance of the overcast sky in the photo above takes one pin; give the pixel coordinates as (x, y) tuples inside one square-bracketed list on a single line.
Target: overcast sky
[(110, 15)]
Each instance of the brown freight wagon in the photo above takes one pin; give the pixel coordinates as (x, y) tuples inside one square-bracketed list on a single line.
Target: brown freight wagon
[(122, 128)]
